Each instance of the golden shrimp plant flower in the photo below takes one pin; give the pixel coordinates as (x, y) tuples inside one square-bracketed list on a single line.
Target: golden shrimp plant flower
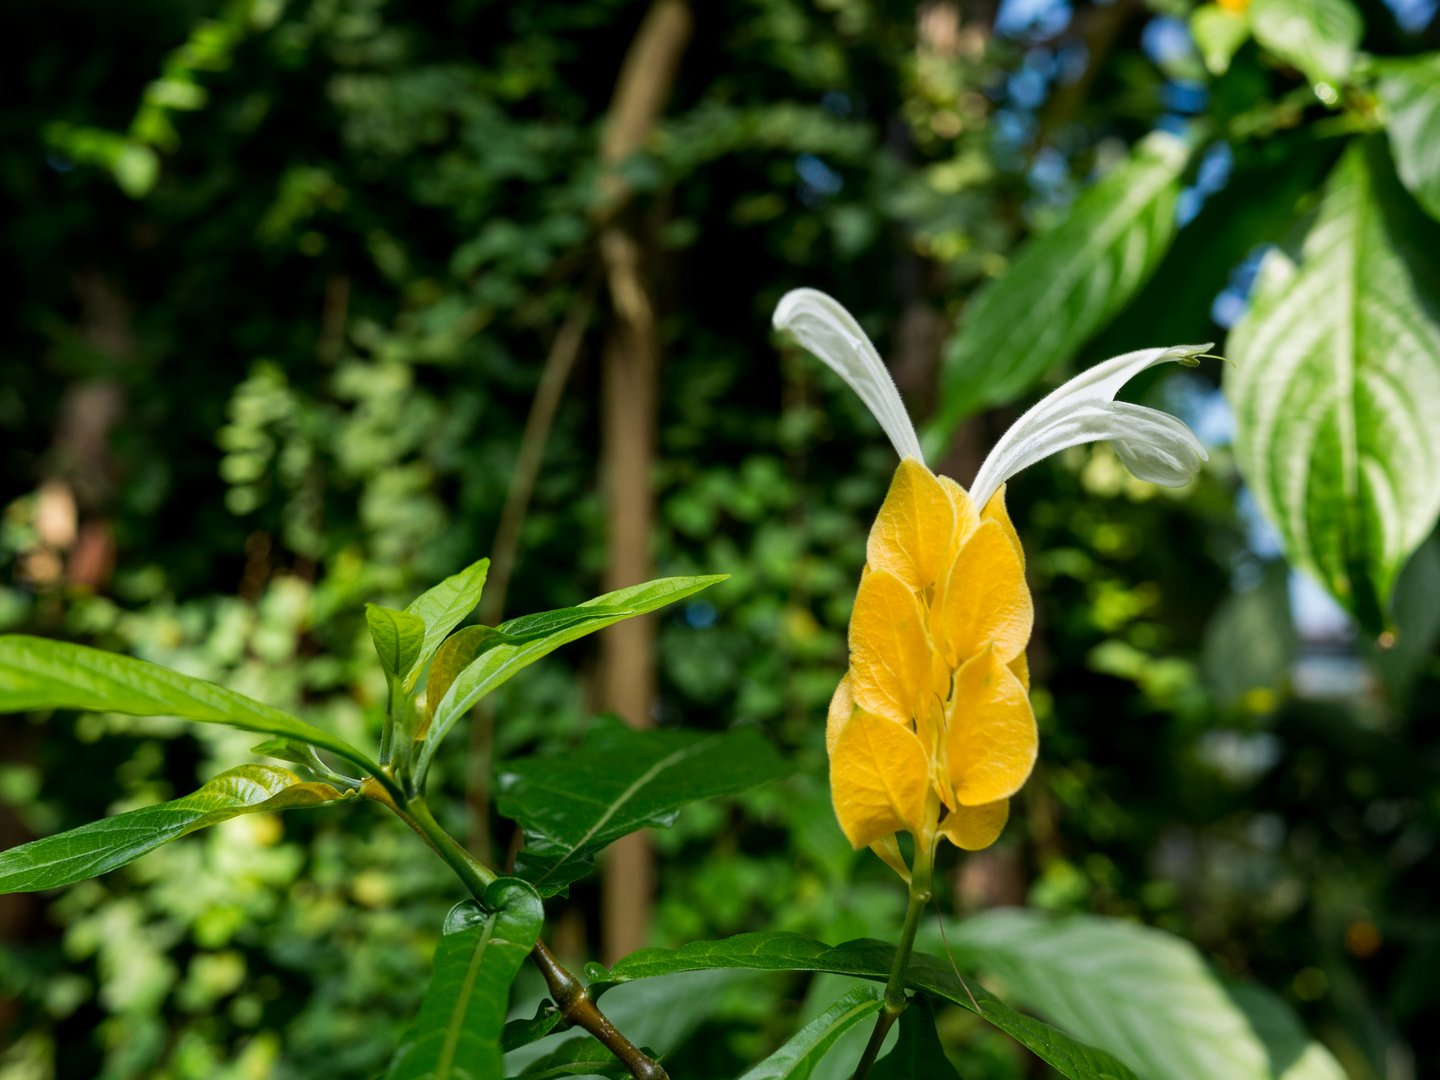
[(931, 729)]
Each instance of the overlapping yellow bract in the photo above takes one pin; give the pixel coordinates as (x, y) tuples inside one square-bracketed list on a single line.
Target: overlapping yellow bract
[(931, 730)]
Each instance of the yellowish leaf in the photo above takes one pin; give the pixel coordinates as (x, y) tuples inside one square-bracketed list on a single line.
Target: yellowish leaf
[(966, 517), (974, 827), (889, 851), (986, 599), (879, 775), (912, 533), (889, 649), (992, 740), (842, 704), (995, 511), (1021, 668)]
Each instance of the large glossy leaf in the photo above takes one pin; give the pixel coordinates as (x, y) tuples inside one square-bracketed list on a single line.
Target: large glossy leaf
[(797, 1059), (443, 608), (572, 804), (1272, 187), (1336, 386), (1317, 36), (494, 666), (1145, 996), (782, 951), (918, 1054), (1409, 86), (457, 1035), (114, 841), (1063, 287), (37, 673)]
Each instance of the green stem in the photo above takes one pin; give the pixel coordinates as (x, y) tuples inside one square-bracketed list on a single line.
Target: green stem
[(475, 874), (921, 875)]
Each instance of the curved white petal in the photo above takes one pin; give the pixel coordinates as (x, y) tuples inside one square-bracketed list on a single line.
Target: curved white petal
[(822, 325), (1155, 446)]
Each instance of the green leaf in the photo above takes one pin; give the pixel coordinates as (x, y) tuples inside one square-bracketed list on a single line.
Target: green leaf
[(572, 804), (520, 1033), (496, 665), (797, 1059), (1250, 643), (1409, 87), (1317, 36), (398, 636), (783, 951), (442, 609), (1272, 187), (37, 673), (582, 1056), (457, 1035), (1336, 385), (918, 1054), (461, 649), (455, 654), (1417, 622), (112, 842), (1145, 996), (1063, 287), (1218, 33)]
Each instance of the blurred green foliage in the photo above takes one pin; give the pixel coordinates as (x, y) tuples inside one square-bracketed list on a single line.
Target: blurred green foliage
[(309, 350)]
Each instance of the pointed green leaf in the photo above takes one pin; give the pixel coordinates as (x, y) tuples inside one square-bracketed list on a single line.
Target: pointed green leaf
[(1409, 86), (1336, 385), (442, 609), (797, 1059), (398, 637), (114, 841), (457, 1035), (498, 664), (1145, 996), (1064, 286), (574, 803), (1317, 36), (582, 1056), (1271, 189), (1218, 32), (520, 1033), (783, 951), (37, 673), (918, 1054)]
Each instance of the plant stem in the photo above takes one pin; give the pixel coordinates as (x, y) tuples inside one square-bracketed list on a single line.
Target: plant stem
[(921, 874), (475, 874), (576, 1008)]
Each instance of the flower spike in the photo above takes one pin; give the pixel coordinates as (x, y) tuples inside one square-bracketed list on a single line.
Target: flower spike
[(822, 325), (931, 730)]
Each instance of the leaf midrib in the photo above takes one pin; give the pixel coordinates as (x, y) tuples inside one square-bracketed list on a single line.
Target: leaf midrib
[(446, 1061), (624, 797)]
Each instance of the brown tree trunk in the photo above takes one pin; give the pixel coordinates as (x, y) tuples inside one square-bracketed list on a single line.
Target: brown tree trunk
[(630, 392), (558, 364)]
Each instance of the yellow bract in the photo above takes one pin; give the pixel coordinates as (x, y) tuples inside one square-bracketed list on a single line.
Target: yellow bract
[(931, 729)]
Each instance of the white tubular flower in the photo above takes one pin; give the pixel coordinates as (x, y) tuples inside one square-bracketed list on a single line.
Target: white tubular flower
[(822, 325), (1154, 445)]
